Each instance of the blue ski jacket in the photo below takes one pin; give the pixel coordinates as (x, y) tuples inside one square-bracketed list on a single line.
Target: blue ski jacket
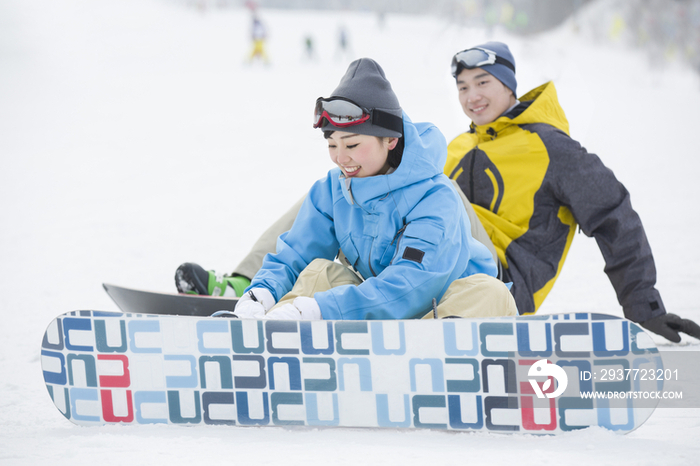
[(406, 233)]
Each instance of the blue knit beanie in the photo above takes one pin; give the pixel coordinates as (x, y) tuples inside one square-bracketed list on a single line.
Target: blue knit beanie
[(500, 72)]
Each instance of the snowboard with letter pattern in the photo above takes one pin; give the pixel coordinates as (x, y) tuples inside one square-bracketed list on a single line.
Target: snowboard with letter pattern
[(510, 375)]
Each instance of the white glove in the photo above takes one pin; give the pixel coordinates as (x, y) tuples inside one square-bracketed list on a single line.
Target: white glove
[(302, 308), (254, 304)]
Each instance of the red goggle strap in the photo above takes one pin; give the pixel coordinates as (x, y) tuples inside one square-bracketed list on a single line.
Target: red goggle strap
[(324, 114), (376, 117)]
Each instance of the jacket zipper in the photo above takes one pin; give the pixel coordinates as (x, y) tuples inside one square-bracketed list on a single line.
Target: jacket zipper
[(369, 262), (491, 132), (471, 176), (397, 239)]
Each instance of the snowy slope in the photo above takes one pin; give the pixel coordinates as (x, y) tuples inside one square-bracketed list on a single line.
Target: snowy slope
[(133, 138)]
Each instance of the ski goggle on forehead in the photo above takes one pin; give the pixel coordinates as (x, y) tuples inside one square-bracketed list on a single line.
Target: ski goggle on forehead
[(476, 58), (342, 113), (339, 112)]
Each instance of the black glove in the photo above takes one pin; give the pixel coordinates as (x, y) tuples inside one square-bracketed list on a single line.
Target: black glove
[(668, 326)]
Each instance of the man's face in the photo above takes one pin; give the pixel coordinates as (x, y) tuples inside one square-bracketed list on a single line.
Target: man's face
[(483, 97)]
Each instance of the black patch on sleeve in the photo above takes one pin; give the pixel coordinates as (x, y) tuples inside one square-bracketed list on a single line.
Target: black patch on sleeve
[(413, 254)]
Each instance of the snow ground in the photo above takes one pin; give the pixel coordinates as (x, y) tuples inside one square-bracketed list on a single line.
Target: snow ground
[(133, 138)]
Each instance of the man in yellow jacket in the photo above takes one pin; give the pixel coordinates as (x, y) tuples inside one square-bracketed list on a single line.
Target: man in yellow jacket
[(529, 185)]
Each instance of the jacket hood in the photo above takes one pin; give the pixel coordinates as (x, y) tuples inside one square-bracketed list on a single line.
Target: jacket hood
[(424, 156), (540, 105)]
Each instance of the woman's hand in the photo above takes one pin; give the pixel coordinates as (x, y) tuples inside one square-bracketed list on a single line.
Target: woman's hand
[(302, 308)]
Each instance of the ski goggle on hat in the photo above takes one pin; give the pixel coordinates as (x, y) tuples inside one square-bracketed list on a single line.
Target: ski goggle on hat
[(342, 113), (476, 58)]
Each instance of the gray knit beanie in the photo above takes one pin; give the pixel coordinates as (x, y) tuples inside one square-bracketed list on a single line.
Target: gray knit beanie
[(365, 84)]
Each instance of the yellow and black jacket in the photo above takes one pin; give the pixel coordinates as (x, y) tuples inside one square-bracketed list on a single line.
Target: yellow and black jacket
[(531, 185)]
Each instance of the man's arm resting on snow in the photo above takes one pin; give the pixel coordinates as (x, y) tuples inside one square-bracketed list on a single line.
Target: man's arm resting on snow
[(601, 206)]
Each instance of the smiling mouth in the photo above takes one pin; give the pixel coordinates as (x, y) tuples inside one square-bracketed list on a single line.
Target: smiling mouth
[(350, 171), (479, 109)]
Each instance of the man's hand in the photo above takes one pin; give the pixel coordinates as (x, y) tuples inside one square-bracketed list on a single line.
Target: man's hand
[(669, 326)]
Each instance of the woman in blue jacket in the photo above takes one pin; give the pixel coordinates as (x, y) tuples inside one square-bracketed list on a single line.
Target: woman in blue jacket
[(402, 228)]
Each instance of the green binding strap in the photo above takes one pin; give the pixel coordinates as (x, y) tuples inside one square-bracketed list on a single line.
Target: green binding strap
[(216, 285)]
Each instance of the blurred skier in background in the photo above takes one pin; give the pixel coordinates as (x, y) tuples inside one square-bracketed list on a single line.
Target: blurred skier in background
[(343, 50), (527, 187), (309, 48), (258, 35)]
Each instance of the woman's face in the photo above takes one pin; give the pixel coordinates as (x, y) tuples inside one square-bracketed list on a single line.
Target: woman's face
[(359, 155)]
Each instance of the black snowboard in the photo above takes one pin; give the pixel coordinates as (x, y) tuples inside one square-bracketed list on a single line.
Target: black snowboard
[(134, 301)]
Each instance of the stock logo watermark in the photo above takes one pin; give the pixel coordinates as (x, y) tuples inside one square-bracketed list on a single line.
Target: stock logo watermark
[(625, 383), (551, 371)]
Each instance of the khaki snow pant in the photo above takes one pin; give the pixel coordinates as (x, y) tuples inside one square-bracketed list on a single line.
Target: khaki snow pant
[(478, 295), (268, 241)]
